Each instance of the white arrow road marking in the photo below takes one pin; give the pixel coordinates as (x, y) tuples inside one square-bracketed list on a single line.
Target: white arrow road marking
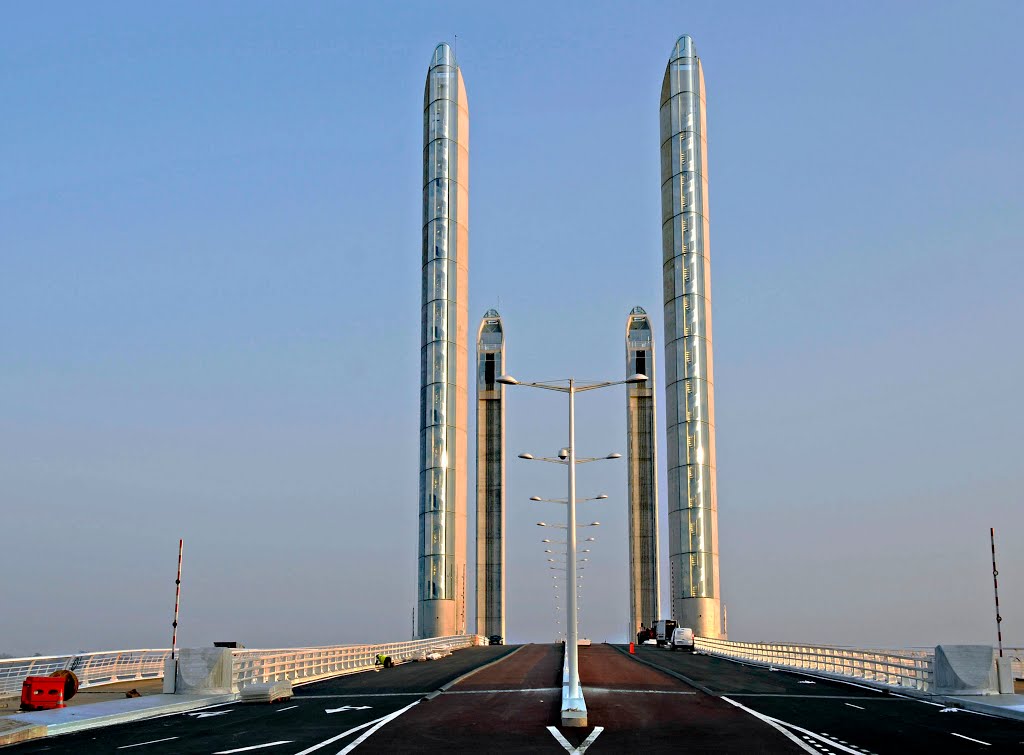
[(344, 708), (576, 750), (150, 742), (208, 715), (253, 747)]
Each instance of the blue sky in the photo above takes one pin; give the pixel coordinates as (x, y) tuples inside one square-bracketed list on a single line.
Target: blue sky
[(210, 245)]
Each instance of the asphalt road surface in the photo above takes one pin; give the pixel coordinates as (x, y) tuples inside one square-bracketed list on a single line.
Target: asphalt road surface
[(833, 717), (325, 717), (655, 702)]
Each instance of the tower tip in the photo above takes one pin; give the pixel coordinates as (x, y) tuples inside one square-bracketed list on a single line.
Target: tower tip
[(684, 48), (443, 56)]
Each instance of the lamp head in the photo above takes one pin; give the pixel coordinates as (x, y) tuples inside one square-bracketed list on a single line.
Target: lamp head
[(509, 380), (536, 498), (637, 378), (526, 456)]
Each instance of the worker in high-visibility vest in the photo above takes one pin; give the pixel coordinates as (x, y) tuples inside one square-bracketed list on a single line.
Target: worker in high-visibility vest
[(384, 660)]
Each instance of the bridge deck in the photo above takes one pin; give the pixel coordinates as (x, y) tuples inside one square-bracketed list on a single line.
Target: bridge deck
[(657, 701)]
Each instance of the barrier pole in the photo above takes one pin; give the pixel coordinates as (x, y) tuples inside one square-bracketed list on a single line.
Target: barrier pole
[(177, 599), (995, 588)]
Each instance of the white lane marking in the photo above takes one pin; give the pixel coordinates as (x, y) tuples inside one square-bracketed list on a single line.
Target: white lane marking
[(253, 747), (150, 742), (290, 707), (805, 681), (576, 750), (504, 691), (641, 691), (970, 739), (344, 708), (209, 715), (358, 695), (831, 742), (771, 722), (369, 732), (854, 706), (343, 734)]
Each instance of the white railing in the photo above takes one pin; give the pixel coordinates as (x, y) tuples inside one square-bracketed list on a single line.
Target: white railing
[(305, 665), (92, 669), (894, 669)]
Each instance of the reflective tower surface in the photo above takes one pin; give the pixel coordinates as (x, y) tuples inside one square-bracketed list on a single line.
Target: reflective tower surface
[(689, 393), (490, 477), (443, 356), (641, 434)]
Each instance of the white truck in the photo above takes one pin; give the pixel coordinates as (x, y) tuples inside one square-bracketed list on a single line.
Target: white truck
[(663, 629), (682, 639)]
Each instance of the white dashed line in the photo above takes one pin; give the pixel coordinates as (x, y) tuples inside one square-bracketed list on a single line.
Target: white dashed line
[(971, 739), (150, 742), (290, 707), (854, 706)]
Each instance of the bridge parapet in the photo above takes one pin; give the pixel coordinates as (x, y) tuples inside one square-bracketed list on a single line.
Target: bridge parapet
[(891, 669), (305, 665), (298, 665), (92, 669)]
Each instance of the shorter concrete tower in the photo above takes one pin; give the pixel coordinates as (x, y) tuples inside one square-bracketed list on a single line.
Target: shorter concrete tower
[(490, 477), (641, 437)]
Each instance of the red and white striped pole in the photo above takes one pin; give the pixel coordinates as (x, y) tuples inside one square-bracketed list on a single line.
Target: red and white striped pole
[(177, 598), (995, 587)]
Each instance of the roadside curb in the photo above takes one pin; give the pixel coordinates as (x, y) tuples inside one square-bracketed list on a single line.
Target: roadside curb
[(989, 709), (680, 677), (453, 682), (23, 727)]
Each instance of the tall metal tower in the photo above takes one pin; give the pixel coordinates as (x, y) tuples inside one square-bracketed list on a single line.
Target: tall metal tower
[(444, 351), (689, 393), (490, 476), (641, 442)]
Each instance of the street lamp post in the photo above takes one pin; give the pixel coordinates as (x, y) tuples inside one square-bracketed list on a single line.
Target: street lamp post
[(574, 710)]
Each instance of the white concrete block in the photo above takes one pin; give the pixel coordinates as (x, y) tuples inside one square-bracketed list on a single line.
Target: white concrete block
[(205, 670), (170, 672), (1004, 670), (965, 670)]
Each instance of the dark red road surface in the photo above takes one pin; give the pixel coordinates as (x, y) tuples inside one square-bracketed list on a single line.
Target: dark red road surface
[(507, 708), (503, 708)]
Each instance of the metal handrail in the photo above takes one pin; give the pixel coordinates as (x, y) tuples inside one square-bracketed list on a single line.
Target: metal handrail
[(894, 669), (300, 665), (92, 669), (306, 665)]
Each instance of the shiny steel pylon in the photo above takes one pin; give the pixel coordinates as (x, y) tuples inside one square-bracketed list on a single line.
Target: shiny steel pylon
[(689, 371), (444, 351)]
